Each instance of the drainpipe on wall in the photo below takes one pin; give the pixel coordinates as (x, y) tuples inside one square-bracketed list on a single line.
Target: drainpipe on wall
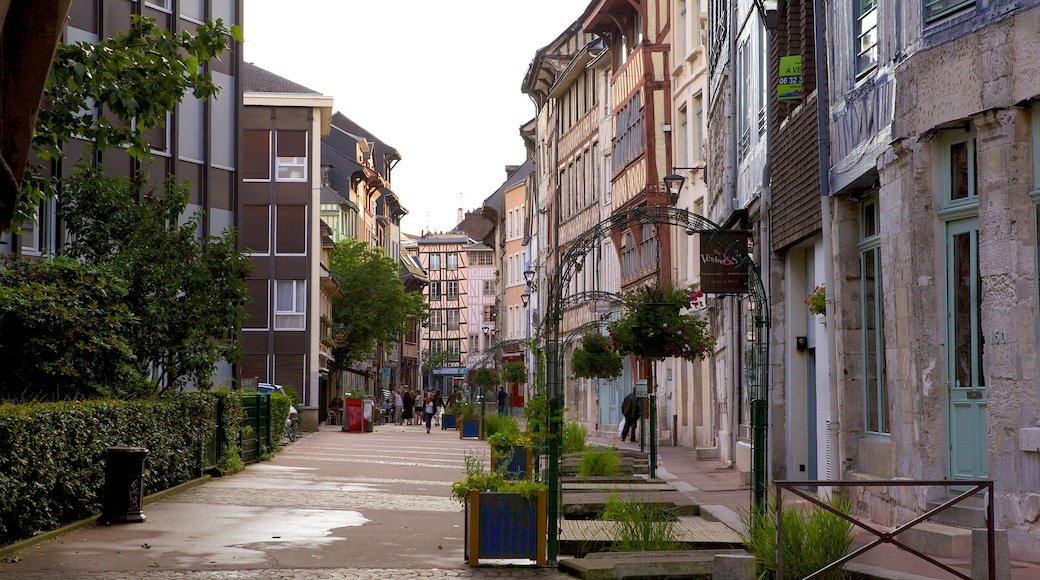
[(823, 128)]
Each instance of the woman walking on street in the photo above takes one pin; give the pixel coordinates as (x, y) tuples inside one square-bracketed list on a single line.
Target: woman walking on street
[(438, 406), (408, 408), (429, 409)]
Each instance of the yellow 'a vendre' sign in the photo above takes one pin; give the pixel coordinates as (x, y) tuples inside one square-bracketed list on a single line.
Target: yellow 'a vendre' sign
[(790, 85)]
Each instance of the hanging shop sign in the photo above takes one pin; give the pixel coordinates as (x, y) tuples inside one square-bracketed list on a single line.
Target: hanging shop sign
[(720, 270)]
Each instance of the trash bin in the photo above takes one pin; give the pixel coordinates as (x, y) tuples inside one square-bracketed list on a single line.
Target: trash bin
[(124, 485), (356, 419)]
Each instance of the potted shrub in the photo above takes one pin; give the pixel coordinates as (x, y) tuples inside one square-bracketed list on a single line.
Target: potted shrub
[(514, 371), (596, 358), (511, 452), (468, 419), (504, 519)]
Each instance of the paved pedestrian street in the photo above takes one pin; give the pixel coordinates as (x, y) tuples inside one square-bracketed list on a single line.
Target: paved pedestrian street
[(332, 505)]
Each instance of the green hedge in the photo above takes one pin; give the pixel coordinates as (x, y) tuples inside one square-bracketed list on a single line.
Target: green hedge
[(52, 468)]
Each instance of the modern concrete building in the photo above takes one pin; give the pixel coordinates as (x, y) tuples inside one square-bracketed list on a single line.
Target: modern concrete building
[(282, 127)]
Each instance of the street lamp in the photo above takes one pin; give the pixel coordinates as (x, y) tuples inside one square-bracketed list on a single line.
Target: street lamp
[(529, 278), (525, 298), (674, 182)]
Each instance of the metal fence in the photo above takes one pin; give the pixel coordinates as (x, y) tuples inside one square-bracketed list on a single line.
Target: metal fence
[(887, 537)]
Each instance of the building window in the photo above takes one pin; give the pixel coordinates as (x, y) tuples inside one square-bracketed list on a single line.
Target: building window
[(453, 320), (684, 31), (453, 289), (256, 155), (452, 261), (698, 137), (454, 349), (489, 287), (489, 314), (292, 155), (866, 36), (160, 4), (436, 320), (435, 261), (484, 258), (744, 92), (936, 9), (290, 229), (435, 291), (630, 141), (629, 263), (959, 168), (875, 396), (290, 306), (474, 343), (648, 247)]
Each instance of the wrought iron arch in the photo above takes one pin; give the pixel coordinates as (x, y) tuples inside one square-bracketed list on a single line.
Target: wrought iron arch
[(757, 328)]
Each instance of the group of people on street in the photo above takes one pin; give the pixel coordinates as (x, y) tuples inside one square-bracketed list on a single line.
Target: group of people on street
[(412, 407)]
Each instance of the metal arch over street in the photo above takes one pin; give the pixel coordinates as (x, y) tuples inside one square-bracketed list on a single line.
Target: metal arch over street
[(757, 330)]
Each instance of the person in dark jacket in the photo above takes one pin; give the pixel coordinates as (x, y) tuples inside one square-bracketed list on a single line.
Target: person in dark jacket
[(630, 411)]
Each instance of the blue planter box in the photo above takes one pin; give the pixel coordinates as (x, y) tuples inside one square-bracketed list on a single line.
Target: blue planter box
[(471, 427), (505, 526), (514, 462), (448, 421)]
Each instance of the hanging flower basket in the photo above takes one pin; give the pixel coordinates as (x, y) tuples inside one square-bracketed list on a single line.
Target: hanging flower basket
[(654, 327), (817, 300), (596, 358)]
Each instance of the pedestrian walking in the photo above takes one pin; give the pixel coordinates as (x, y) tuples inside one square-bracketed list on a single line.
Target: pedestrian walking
[(417, 397), (398, 404), (502, 398), (438, 405), (429, 409), (630, 411), (407, 407)]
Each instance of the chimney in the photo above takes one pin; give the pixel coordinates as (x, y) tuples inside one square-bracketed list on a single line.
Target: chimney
[(511, 169), (461, 215)]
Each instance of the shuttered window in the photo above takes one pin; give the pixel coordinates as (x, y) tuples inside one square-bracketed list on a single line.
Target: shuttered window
[(256, 310), (255, 230), (256, 151), (290, 229)]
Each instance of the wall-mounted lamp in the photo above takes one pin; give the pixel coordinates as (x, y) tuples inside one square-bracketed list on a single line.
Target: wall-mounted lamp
[(525, 298), (770, 14), (487, 330), (801, 343), (529, 278), (674, 182)]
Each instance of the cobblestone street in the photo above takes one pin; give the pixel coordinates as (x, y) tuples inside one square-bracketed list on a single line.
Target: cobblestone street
[(333, 505)]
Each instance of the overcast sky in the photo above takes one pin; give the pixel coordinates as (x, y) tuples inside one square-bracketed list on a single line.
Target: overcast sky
[(439, 81)]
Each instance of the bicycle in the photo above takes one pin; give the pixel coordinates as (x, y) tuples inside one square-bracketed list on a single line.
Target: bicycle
[(292, 429)]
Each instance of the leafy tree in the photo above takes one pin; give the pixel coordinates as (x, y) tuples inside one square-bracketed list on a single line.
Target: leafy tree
[(434, 360), (135, 77), (183, 293), (187, 294), (63, 329), (375, 309)]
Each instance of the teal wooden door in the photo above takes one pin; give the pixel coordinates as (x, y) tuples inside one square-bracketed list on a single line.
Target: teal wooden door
[(964, 345)]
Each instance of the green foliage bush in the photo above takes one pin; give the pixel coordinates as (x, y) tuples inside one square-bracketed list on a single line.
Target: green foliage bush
[(641, 527), (574, 435), (482, 479), (52, 468), (813, 538), (599, 461), (504, 424)]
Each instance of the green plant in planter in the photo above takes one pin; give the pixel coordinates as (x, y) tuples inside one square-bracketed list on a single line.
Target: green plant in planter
[(574, 435), (654, 327), (514, 371), (465, 408), (482, 479), (596, 358), (641, 527), (813, 538), (599, 462)]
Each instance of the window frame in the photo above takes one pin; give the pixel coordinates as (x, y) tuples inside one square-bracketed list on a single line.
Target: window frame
[(281, 162), (299, 289), (448, 294), (952, 7), (864, 10), (434, 262), (876, 420), (451, 261)]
